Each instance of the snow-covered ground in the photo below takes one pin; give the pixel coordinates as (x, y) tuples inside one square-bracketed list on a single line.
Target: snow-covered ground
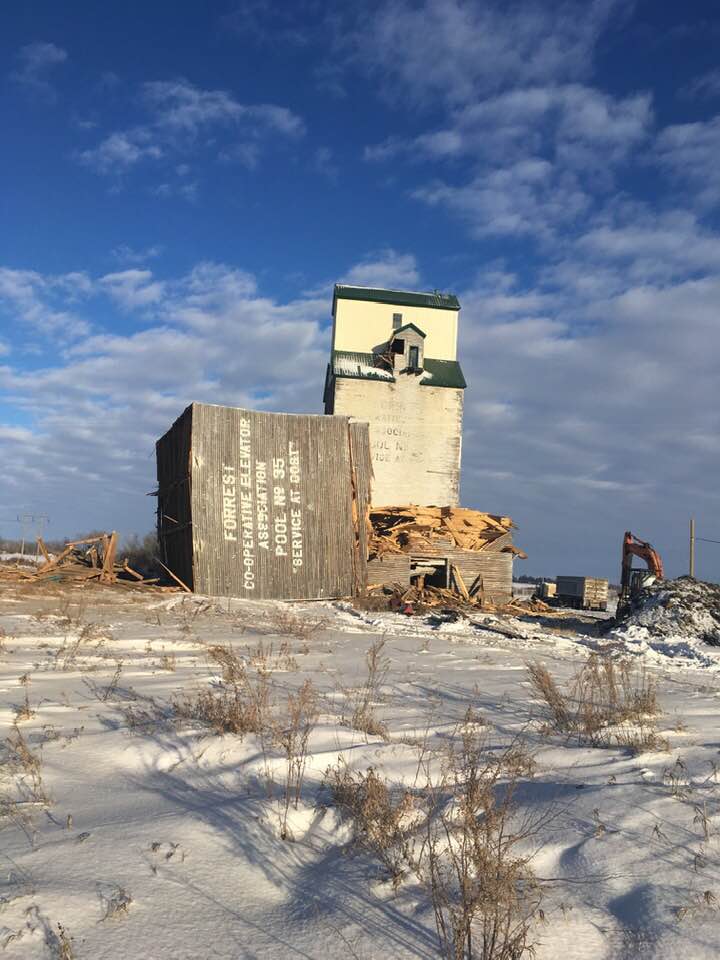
[(147, 837)]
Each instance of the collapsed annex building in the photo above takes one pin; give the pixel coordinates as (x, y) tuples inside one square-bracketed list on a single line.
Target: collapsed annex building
[(288, 506)]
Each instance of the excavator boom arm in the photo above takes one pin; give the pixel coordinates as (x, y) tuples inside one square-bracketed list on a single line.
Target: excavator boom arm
[(633, 547)]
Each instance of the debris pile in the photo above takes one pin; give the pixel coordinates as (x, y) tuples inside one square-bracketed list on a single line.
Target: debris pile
[(677, 620), (412, 529), (83, 560), (685, 608), (419, 599)]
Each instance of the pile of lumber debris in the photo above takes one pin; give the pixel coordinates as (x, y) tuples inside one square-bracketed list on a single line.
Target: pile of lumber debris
[(418, 599), (83, 560), (413, 529)]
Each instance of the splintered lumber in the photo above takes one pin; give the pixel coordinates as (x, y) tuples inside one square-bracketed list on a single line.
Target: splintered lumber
[(457, 576), (408, 529), (477, 585), (93, 558), (177, 579), (108, 567)]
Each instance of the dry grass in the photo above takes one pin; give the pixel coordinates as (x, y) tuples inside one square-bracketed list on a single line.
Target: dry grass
[(460, 837), (269, 659), (63, 944), (607, 703), (288, 623), (293, 736), (168, 661), (240, 706), (244, 704), (25, 711), (363, 701), (483, 892), (381, 815), (91, 635), (21, 783)]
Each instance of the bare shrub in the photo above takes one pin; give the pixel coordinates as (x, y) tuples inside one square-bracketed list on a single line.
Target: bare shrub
[(293, 736), (381, 816), (607, 703), (60, 944), (461, 838), (114, 680), (364, 700), (240, 706), (267, 658), (21, 782), (25, 711), (483, 892), (65, 942), (286, 622), (545, 687), (231, 666), (94, 635), (168, 661)]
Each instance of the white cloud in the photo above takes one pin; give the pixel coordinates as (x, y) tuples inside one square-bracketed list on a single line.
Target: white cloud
[(455, 50), (180, 106), (569, 122), (689, 152), (124, 253), (180, 112), (386, 268), (119, 151), (652, 246), (539, 155), (30, 300), (36, 62), (527, 197), (323, 162), (133, 288), (706, 85)]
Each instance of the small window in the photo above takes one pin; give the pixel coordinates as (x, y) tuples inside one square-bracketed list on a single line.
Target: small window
[(397, 321), (414, 358), (398, 346)]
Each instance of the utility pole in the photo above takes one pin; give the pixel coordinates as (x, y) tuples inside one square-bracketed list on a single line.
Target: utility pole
[(25, 520), (692, 546)]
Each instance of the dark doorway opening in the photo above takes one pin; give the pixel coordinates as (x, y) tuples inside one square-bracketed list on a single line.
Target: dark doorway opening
[(435, 570)]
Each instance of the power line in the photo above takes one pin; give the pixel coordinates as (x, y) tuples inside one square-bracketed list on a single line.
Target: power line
[(705, 540)]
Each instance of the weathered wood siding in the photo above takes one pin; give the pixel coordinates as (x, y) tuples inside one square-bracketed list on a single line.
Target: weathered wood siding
[(415, 438), (174, 515), (272, 503), (492, 564)]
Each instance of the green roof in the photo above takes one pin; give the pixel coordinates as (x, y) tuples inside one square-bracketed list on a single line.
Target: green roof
[(371, 366), (442, 373), (397, 298), (409, 326)]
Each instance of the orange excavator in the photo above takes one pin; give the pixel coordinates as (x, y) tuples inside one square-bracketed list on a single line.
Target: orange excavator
[(633, 579)]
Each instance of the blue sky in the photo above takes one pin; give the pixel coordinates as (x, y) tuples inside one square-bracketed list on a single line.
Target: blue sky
[(183, 183)]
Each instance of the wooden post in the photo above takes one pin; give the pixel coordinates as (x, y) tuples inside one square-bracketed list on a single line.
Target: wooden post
[(692, 546)]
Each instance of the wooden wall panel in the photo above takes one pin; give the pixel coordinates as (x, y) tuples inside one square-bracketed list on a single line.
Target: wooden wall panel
[(270, 502), (492, 564)]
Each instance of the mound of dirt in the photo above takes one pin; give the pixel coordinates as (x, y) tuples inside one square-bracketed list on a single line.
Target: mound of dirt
[(683, 611)]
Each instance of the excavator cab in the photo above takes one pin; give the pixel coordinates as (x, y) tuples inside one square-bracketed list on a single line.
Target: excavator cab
[(634, 579)]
